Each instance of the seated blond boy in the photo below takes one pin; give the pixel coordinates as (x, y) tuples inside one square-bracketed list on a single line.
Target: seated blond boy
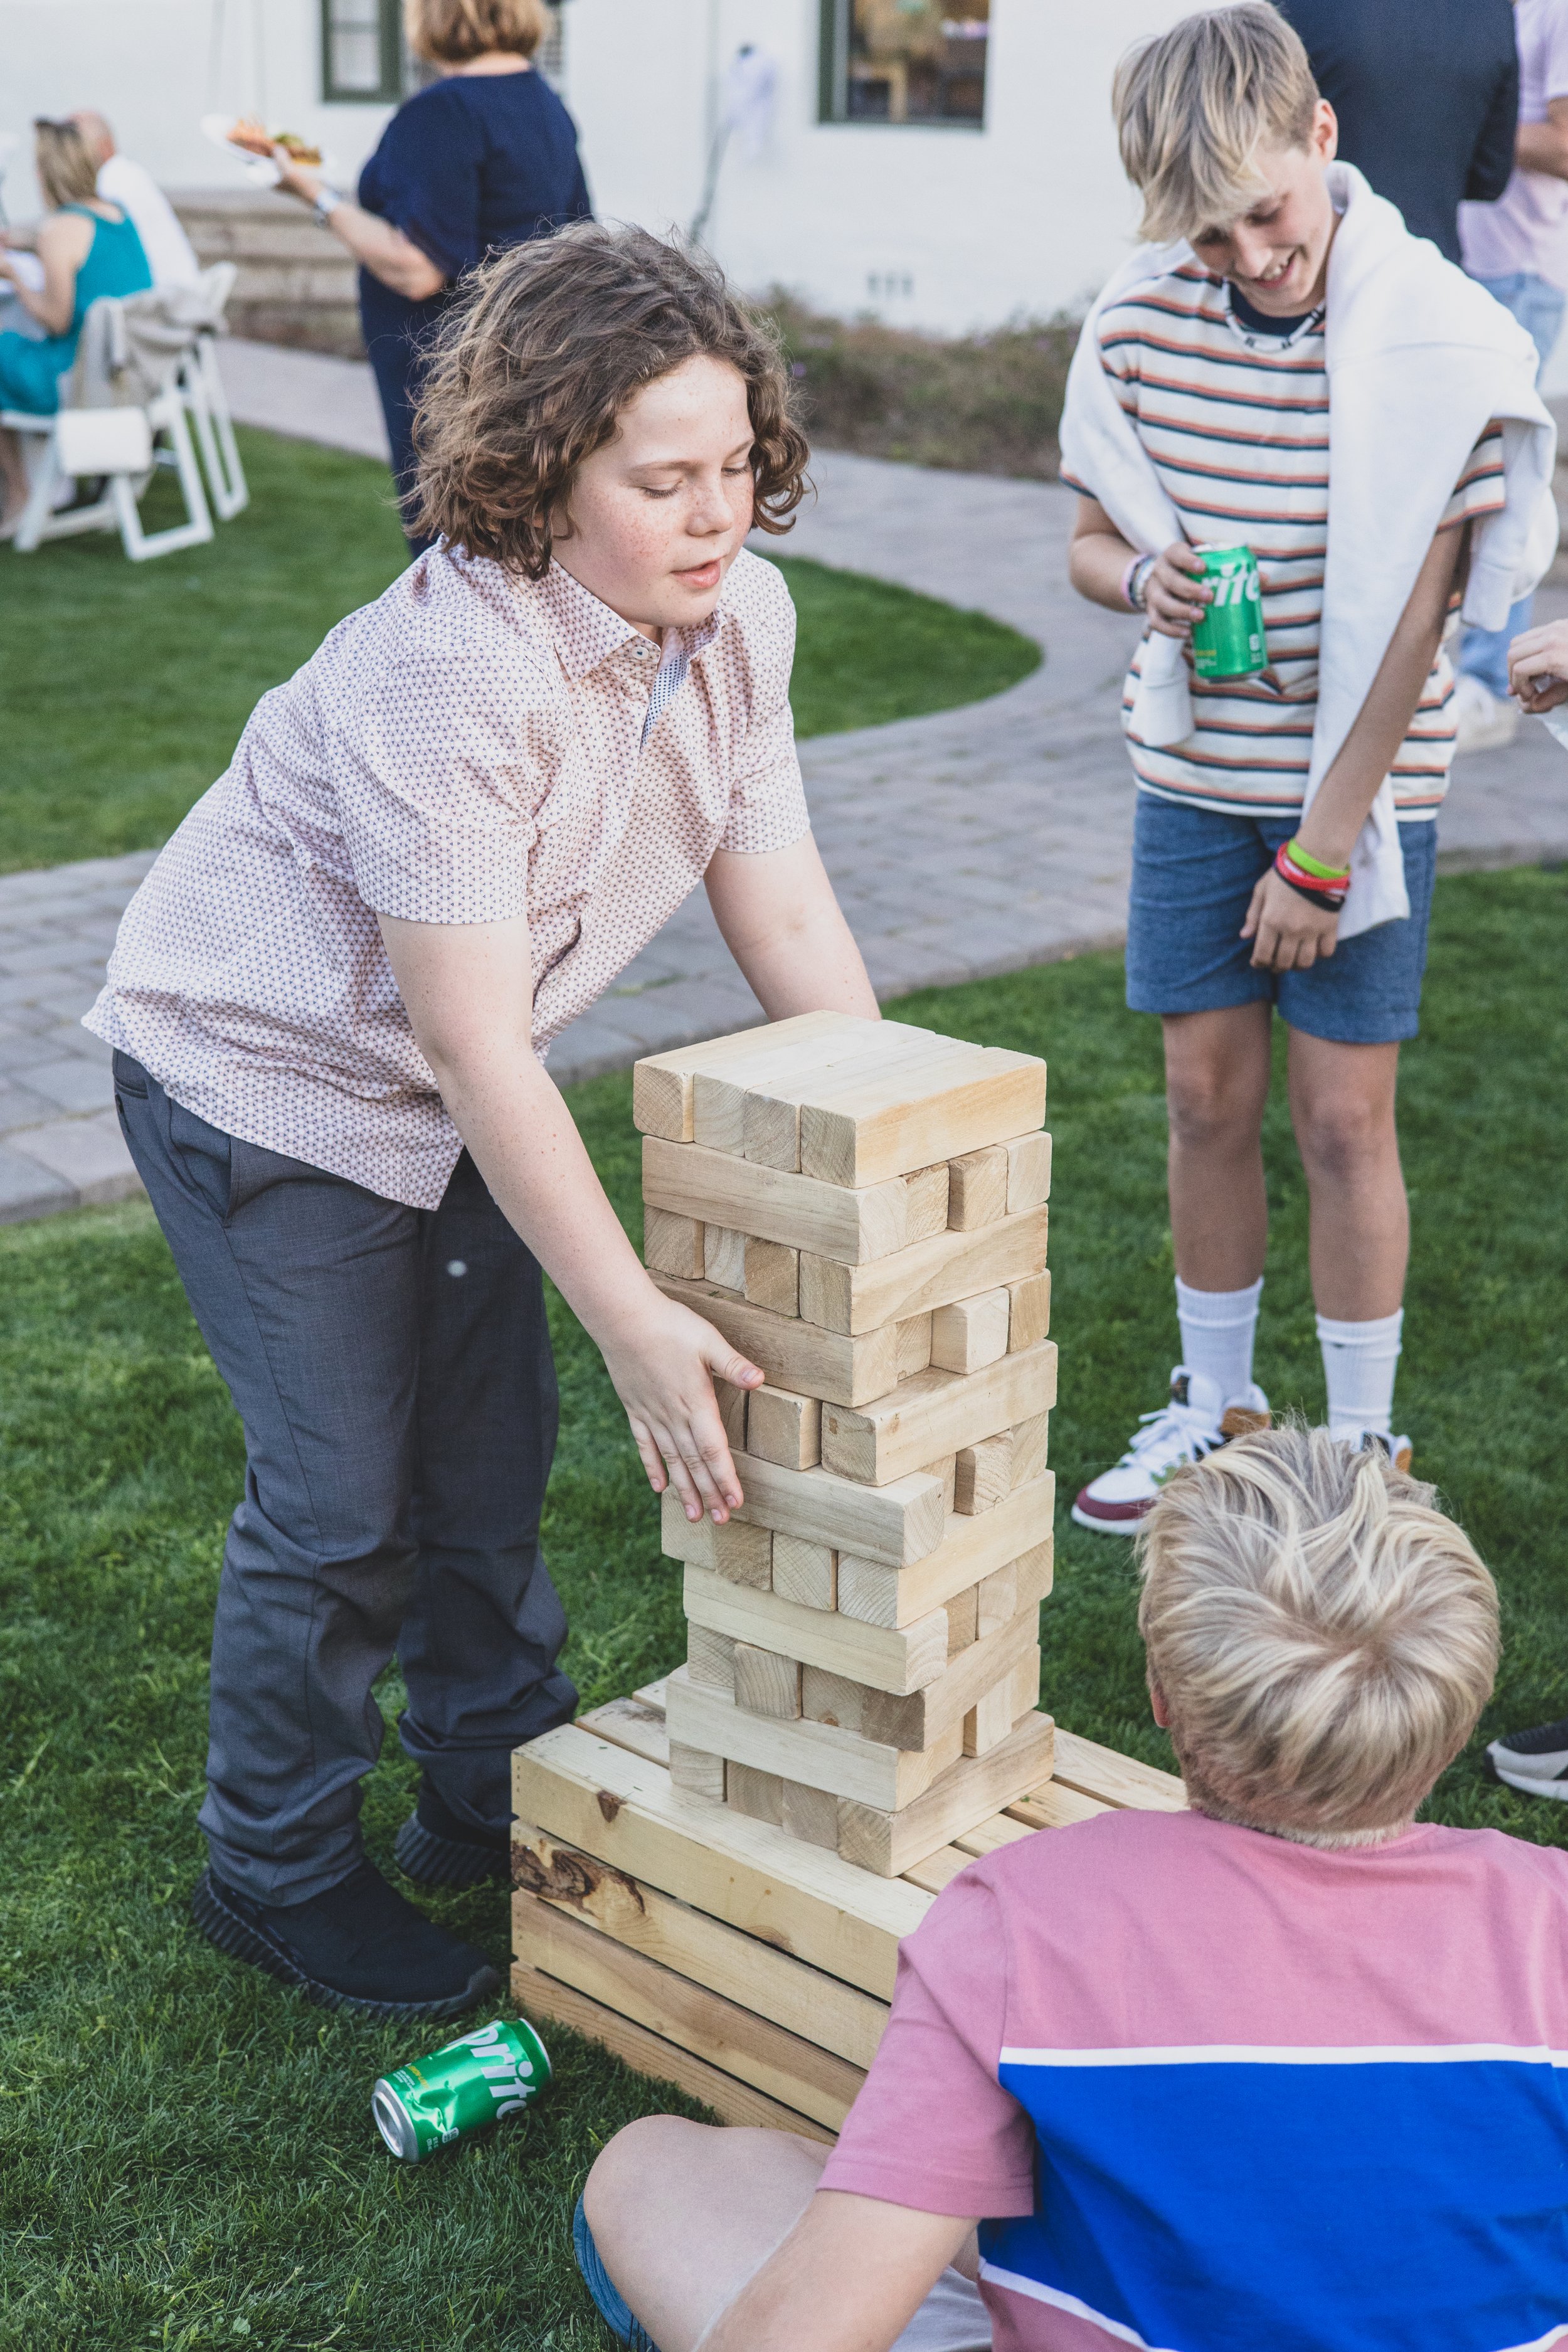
[(1279, 2072)]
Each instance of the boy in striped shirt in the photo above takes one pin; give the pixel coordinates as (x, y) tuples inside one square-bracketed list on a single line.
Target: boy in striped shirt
[(1220, 364)]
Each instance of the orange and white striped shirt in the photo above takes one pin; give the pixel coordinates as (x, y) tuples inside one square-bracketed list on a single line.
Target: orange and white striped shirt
[(1235, 424)]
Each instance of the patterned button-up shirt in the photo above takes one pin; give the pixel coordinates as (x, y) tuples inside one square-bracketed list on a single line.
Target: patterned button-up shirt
[(469, 747)]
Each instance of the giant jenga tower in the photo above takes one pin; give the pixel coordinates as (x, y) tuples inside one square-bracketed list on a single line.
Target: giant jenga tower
[(861, 1208)]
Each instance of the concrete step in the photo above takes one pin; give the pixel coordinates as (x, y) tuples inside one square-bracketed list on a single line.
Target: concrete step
[(295, 283)]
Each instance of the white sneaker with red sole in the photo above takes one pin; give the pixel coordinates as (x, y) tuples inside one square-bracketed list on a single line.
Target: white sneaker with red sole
[(1196, 1420), (1399, 1450)]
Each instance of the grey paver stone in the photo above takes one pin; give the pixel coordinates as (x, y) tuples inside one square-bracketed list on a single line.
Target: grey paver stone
[(86, 1154), (27, 1189), (73, 1083)]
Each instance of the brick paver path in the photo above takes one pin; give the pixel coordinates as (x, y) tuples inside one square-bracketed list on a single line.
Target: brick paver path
[(978, 840)]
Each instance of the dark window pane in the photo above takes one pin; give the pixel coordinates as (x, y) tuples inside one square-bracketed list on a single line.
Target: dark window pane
[(908, 61)]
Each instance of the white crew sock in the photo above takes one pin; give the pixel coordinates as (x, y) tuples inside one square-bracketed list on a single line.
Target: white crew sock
[(1217, 1330), (1360, 1360)]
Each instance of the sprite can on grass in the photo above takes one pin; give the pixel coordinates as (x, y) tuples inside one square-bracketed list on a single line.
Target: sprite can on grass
[(1228, 641), (459, 2089)]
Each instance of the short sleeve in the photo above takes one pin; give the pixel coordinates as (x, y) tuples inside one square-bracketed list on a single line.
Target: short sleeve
[(436, 792), (1481, 489), (767, 799), (932, 2128), (426, 178), (1554, 57)]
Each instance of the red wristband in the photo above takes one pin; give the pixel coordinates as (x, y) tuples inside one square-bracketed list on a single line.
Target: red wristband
[(1327, 894)]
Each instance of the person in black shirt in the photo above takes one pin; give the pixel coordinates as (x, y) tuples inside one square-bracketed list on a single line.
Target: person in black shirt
[(1426, 92)]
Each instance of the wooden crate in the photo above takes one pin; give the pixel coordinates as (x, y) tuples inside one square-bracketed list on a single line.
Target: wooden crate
[(717, 1952)]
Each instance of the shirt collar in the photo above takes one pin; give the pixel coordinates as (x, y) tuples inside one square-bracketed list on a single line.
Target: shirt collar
[(586, 632)]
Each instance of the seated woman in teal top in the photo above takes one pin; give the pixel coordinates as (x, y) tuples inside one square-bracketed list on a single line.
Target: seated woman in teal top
[(88, 247)]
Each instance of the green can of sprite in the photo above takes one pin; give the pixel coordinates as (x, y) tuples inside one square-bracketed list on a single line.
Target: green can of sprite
[(1228, 641), (459, 2089)]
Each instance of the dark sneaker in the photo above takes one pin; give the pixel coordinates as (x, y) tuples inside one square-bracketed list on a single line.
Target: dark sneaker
[(1196, 1420), (436, 1849), (1535, 1761), (359, 1945)]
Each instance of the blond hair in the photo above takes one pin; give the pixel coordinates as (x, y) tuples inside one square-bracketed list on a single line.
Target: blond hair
[(66, 168), (1193, 106), (453, 31), (1323, 1637)]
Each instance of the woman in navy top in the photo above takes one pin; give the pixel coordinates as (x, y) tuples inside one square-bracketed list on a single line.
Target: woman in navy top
[(483, 158)]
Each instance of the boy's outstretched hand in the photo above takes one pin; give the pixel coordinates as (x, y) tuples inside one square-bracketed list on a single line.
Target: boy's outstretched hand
[(1538, 666), (664, 1361)]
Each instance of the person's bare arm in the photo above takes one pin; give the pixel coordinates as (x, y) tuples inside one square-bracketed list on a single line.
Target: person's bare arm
[(784, 927), (1097, 565), (1544, 146), (1538, 666), (1287, 933), (63, 243), (849, 2278), (383, 250), (469, 992)]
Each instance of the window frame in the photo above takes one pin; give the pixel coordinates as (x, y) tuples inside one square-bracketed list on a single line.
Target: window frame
[(833, 81), (389, 90)]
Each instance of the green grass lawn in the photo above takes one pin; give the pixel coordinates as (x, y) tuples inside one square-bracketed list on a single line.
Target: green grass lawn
[(186, 2155), (124, 687)]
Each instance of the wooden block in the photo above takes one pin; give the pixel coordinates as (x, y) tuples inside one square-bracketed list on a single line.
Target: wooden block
[(661, 1083), (956, 1104), (818, 1755), (625, 1812), (970, 1334), (963, 1622), (996, 1600), (1028, 1170), (831, 1220), (947, 1471), (758, 1795), (1118, 1780), (973, 1548), (737, 1550), (719, 1091), (1028, 1311), (888, 1843), (696, 1773), (977, 1187), (672, 1244), (929, 1716), (895, 1659), (784, 1428), (934, 1413), (913, 1339), (811, 1815), (1031, 1442), (711, 1658), (785, 2067), (927, 1197), (833, 1698), (724, 1257), (1055, 1807), (773, 1276), (731, 1402), (807, 1572), (898, 1525), (796, 1355), (925, 1274), (771, 1117), (989, 1719), (734, 2101), (1034, 1570), (984, 1473), (1026, 1684), (765, 1682), (835, 2017)]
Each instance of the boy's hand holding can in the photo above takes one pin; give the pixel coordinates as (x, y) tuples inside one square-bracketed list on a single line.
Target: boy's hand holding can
[(1174, 599)]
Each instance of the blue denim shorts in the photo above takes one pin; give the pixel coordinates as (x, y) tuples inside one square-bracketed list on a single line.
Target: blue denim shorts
[(1194, 873)]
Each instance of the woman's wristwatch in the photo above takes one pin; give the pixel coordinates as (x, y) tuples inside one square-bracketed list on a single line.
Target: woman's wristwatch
[(326, 203)]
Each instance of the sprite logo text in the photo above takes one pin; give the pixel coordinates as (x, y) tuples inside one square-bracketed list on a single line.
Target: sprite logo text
[(504, 2073)]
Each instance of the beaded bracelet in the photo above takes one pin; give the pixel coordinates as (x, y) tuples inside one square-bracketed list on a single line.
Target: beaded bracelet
[(1135, 581), (1325, 889)]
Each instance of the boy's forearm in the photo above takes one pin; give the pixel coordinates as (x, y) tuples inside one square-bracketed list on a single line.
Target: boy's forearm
[(1097, 565), (786, 931), (849, 2278)]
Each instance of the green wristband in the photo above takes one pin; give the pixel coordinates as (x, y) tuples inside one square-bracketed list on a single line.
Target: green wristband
[(1315, 867)]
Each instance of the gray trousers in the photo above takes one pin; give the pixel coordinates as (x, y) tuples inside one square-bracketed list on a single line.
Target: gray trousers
[(392, 1372)]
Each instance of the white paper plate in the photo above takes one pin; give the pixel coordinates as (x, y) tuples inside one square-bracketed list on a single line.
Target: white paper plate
[(259, 170)]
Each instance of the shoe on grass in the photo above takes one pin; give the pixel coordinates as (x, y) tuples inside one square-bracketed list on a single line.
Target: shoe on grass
[(434, 1848), (360, 1946), (1196, 1420), (1486, 721), (1399, 1450), (1535, 1761)]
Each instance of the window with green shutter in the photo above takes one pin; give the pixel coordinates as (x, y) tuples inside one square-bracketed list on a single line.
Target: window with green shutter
[(362, 52), (906, 61)]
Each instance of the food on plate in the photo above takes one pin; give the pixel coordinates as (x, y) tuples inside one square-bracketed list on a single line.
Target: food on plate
[(257, 139)]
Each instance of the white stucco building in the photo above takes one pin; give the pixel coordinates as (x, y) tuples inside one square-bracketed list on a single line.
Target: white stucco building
[(941, 170)]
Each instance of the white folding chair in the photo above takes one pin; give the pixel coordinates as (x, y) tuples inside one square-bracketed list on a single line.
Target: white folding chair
[(117, 444), (200, 381)]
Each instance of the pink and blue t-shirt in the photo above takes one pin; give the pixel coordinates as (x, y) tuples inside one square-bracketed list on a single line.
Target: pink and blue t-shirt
[(1213, 2092)]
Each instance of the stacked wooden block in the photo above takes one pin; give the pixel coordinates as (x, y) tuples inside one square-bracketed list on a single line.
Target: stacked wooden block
[(861, 1207)]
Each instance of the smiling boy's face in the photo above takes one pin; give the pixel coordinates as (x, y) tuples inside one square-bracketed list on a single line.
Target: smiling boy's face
[(1276, 254), (656, 518)]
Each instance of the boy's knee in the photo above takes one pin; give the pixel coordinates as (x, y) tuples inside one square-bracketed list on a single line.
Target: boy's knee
[(1209, 1108), (1341, 1137), (655, 2148)]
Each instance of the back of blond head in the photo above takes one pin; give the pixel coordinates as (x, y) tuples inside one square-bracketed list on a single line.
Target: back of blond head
[(1324, 1637), (66, 164), (1193, 106)]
